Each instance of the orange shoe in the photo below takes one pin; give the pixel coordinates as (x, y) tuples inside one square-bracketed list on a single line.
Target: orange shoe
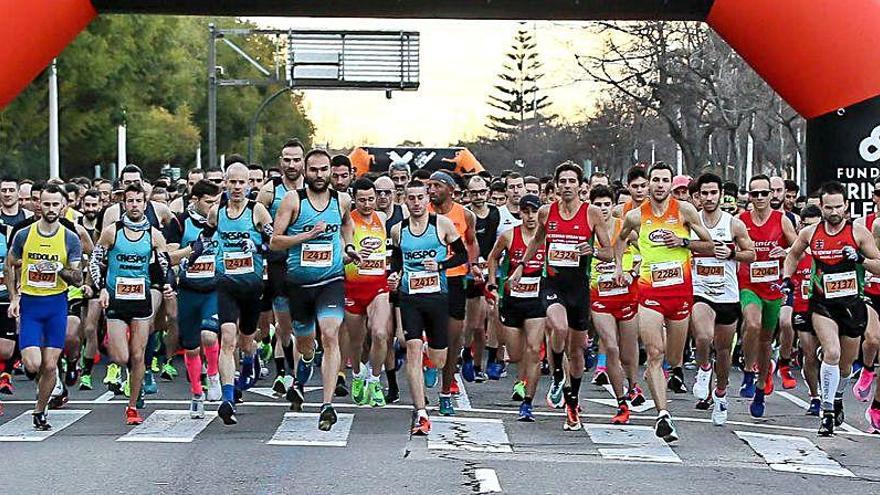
[(6, 386), (622, 416), (788, 381), (453, 388), (132, 417), (768, 382), (422, 426), (572, 418)]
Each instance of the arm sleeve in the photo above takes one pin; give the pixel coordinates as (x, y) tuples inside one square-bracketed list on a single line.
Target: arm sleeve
[(96, 266), (74, 247), (18, 239), (459, 256), (173, 231), (396, 259)]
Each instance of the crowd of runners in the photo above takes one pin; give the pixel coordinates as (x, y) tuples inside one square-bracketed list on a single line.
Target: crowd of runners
[(305, 267)]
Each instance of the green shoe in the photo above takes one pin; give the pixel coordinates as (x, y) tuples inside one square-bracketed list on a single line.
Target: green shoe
[(358, 391), (112, 374), (267, 351), (519, 391), (126, 388), (374, 392), (169, 372), (154, 366), (85, 382)]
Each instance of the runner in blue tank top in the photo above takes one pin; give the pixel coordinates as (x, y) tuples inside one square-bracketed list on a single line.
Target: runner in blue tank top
[(419, 263), (136, 258), (315, 226)]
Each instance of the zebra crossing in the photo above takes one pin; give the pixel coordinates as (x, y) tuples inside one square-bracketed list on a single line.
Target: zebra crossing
[(487, 436)]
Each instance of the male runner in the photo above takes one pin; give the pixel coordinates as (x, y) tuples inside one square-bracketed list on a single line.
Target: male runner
[(341, 173), (11, 211), (716, 296), (841, 252), (400, 175), (314, 224), (566, 230), (759, 283), (42, 260), (871, 343), (665, 291), (8, 328), (366, 297), (801, 319), (91, 209), (394, 214), (419, 268), (136, 257), (440, 188), (179, 205), (778, 200)]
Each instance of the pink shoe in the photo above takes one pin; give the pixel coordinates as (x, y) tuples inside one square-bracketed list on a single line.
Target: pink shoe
[(873, 417), (862, 388)]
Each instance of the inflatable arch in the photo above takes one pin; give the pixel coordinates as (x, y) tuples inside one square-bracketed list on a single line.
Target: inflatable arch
[(820, 55)]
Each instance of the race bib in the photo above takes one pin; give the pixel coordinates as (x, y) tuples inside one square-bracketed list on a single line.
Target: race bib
[(709, 270), (131, 289), (805, 288), (424, 282), (840, 284), (609, 287), (203, 267), (873, 279), (526, 288), (666, 274), (2, 280), (41, 280), (764, 271), (563, 255), (238, 263), (317, 255), (373, 265)]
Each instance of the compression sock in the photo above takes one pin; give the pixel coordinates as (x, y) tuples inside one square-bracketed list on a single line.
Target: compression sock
[(88, 364), (492, 354), (228, 393), (194, 372), (391, 376), (784, 362), (288, 354), (212, 357), (247, 365), (842, 385), (829, 377), (601, 362), (557, 367)]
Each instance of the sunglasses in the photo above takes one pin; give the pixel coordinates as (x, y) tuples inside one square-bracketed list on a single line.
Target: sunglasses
[(216, 181), (763, 193), (384, 192), (478, 191)]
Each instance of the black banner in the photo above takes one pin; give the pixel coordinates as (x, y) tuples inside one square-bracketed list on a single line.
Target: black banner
[(845, 146)]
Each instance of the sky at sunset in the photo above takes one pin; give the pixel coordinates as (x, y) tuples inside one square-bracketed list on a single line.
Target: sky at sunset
[(460, 61)]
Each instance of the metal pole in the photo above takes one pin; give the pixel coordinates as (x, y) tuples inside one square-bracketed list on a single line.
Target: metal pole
[(54, 159), (122, 159), (212, 96), (252, 128)]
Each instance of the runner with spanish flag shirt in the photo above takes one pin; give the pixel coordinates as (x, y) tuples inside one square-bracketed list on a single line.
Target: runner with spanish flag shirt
[(759, 283), (665, 289), (841, 253)]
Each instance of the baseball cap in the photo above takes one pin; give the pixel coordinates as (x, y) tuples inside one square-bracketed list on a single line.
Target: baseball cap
[(530, 201), (443, 177), (681, 181)]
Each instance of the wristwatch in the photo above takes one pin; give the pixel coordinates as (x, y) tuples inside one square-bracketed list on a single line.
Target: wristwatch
[(685, 242)]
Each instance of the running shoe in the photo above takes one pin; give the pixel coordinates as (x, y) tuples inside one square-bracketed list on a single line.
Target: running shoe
[(359, 391), (545, 367), (214, 389), (278, 385), (294, 395), (676, 384), (226, 411), (446, 408), (467, 369), (756, 408), (494, 370), (421, 426), (815, 407), (85, 382), (169, 372), (702, 382), (113, 378), (374, 394), (664, 428), (622, 416), (266, 351), (71, 373), (319, 355), (197, 407), (572, 418), (6, 386), (126, 387), (768, 381), (519, 391), (504, 370), (481, 377), (873, 417), (133, 417), (431, 377), (392, 395), (327, 418), (555, 399), (154, 365), (635, 396), (703, 405), (58, 401), (454, 388), (839, 417), (719, 410), (600, 378), (862, 388), (41, 422), (826, 426), (747, 389), (341, 389), (150, 385), (525, 413), (59, 385), (788, 381), (304, 371), (140, 399)]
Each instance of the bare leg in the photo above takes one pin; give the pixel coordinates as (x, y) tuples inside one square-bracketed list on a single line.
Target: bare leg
[(654, 339)]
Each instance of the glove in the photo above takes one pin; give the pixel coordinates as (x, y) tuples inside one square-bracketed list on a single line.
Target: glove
[(198, 247), (852, 254), (248, 247), (787, 286)]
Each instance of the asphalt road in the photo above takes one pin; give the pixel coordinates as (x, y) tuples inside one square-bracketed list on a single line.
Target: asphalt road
[(481, 450)]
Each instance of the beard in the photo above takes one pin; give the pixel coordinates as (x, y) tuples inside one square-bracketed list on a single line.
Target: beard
[(317, 185), (834, 220), (775, 203), (91, 215), (50, 216)]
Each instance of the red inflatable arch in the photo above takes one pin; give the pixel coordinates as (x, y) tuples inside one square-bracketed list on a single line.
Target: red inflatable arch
[(820, 55)]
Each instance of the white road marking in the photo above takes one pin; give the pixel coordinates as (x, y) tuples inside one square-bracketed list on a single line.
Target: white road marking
[(633, 443), (268, 392), (649, 404), (106, 396), (488, 480), (21, 429), (462, 402), (302, 429), (793, 454), (801, 403), (470, 434), (168, 426)]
